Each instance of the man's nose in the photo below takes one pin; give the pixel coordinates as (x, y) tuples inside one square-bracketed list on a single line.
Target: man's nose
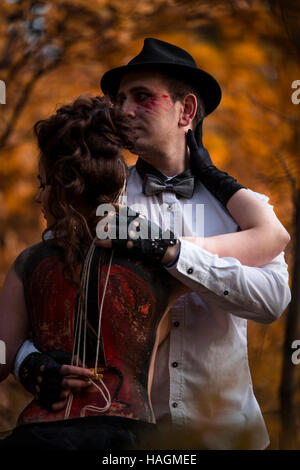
[(128, 107)]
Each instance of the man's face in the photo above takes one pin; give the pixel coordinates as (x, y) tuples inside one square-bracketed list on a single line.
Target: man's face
[(145, 98)]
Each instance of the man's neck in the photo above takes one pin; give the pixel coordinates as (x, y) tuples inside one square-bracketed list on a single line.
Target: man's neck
[(170, 164)]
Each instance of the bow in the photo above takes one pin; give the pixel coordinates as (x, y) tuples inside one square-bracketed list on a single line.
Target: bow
[(181, 186)]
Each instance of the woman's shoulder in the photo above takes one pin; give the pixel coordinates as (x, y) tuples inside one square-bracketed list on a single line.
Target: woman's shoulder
[(33, 254)]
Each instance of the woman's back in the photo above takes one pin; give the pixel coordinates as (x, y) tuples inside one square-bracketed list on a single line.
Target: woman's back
[(137, 297)]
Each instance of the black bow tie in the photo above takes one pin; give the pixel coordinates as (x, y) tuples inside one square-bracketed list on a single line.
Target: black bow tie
[(155, 182)]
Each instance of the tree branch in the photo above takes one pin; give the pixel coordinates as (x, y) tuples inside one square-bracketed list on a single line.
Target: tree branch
[(283, 165), (273, 111)]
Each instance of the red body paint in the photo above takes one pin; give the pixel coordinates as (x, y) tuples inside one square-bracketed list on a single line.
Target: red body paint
[(135, 301)]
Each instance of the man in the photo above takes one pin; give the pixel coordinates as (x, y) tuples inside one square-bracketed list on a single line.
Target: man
[(202, 384)]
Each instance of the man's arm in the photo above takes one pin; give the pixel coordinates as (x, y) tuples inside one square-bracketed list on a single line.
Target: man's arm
[(261, 239), (262, 236), (259, 294)]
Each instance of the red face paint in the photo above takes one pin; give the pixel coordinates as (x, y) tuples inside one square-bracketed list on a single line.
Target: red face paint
[(150, 105)]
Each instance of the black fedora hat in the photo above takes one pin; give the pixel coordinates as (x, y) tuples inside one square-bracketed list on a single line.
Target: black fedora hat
[(177, 61)]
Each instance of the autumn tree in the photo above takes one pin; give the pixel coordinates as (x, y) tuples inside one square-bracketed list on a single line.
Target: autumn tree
[(51, 51)]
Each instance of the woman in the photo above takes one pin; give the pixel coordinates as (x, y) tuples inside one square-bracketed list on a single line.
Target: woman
[(106, 308), (81, 167)]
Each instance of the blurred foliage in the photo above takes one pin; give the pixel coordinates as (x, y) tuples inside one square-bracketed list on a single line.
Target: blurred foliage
[(51, 51)]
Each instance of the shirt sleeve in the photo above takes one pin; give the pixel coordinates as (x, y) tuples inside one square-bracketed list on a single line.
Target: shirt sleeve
[(260, 294)]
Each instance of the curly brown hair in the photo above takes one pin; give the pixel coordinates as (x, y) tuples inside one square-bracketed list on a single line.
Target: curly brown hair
[(81, 150)]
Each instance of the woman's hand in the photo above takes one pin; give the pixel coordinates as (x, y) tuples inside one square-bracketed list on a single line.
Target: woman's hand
[(51, 377), (74, 379), (131, 231)]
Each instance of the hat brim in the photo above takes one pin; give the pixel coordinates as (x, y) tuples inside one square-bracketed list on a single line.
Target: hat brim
[(207, 86)]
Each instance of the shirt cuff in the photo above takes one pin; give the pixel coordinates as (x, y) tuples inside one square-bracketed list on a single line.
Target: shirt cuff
[(24, 351)]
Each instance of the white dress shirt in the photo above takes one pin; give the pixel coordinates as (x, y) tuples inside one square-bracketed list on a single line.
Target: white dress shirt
[(202, 379)]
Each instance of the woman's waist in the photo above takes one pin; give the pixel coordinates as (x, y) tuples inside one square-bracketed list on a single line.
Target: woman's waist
[(112, 393)]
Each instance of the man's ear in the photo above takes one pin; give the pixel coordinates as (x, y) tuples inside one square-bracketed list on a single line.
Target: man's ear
[(189, 109)]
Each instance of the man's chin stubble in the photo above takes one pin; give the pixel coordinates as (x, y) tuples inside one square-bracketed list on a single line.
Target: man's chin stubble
[(147, 152)]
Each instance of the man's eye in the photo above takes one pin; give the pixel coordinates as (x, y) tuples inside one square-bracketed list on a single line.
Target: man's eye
[(42, 186), (143, 96)]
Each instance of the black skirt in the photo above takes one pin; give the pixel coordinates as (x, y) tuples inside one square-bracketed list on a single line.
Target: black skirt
[(92, 433)]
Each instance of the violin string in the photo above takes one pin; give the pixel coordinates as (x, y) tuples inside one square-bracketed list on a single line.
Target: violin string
[(77, 334), (82, 315)]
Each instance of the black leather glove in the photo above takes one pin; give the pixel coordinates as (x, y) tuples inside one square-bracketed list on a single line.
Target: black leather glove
[(50, 387), (139, 231), (219, 183)]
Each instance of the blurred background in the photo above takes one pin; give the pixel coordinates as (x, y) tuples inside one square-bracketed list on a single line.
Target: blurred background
[(52, 51)]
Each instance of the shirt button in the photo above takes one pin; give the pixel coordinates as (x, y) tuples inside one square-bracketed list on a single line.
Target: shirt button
[(190, 271), (175, 364), (226, 292), (170, 208), (174, 404), (176, 324)]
